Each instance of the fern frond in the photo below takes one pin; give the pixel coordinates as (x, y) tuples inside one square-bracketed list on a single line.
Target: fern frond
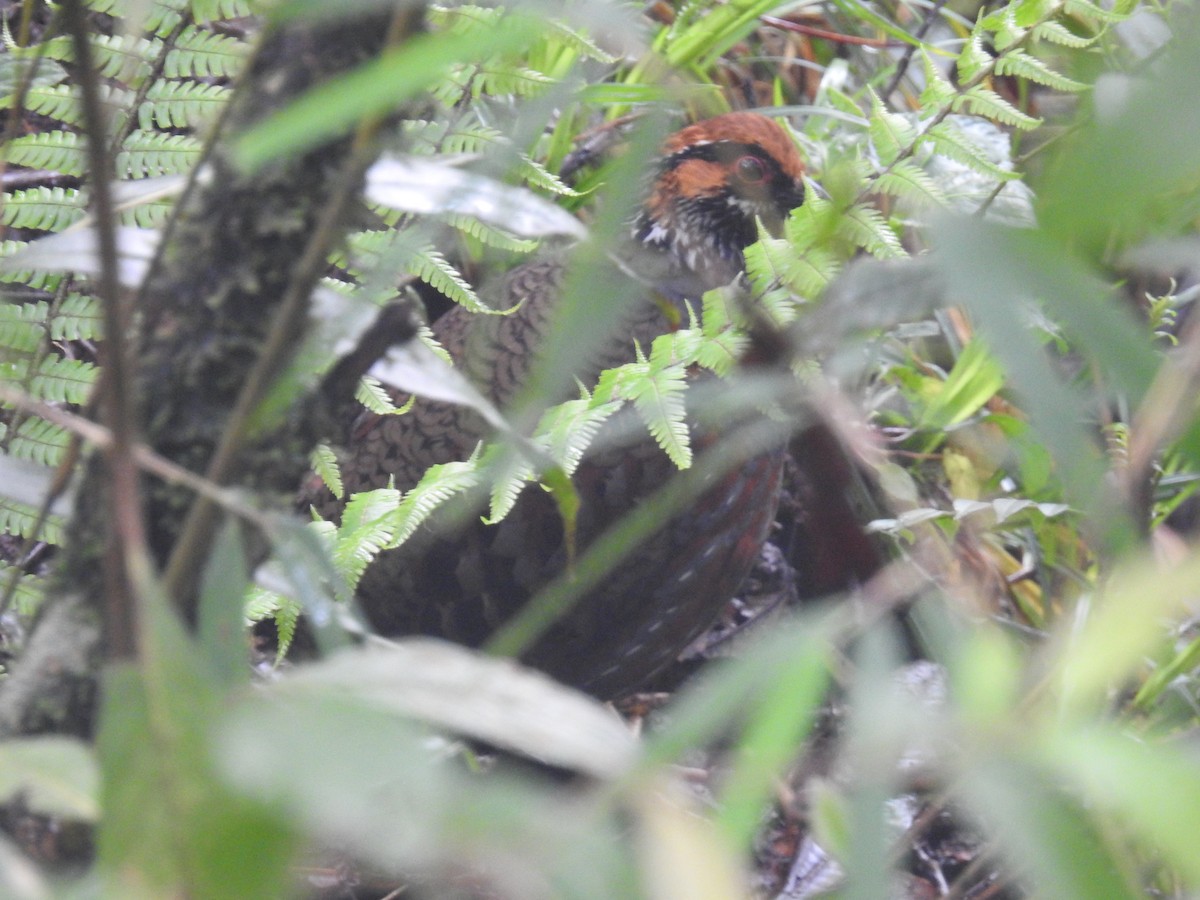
[(42, 208), (1093, 12), (1057, 33), (973, 58), (62, 380), (213, 10), (908, 181), (890, 132), (35, 278), (498, 79), (79, 318), (39, 441), (22, 326), (324, 462), (181, 104), (567, 430), (580, 43), (202, 54), (125, 57), (866, 227), (1021, 64), (55, 101), (375, 397), (435, 270), (19, 519), (937, 91), (158, 17), (510, 473), (987, 103), (659, 400), (949, 140), (490, 236), (148, 154), (59, 151)]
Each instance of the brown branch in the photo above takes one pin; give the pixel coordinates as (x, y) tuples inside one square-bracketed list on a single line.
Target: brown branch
[(127, 537)]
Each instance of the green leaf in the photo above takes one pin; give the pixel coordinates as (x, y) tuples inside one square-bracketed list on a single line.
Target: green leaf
[(1150, 788), (908, 181), (890, 133), (946, 138), (376, 87), (221, 630), (1022, 65), (974, 380), (59, 151), (982, 101), (659, 399), (973, 58)]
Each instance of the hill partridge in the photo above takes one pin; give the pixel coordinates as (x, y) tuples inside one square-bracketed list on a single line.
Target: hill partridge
[(714, 180)]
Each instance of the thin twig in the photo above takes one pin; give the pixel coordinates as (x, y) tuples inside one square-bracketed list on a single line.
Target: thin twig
[(127, 536), (906, 60), (826, 35)]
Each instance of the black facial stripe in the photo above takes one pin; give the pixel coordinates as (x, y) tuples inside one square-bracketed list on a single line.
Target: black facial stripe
[(722, 151)]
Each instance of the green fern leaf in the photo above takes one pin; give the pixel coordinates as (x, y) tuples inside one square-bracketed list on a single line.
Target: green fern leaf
[(890, 133), (40, 441), (324, 463), (580, 43), (59, 102), (1057, 33), (61, 380), (21, 520), (938, 92), (375, 397), (435, 270), (1091, 12), (510, 473), (148, 154), (43, 208), (125, 58), (809, 272), (147, 215), (987, 103), (496, 80), (948, 140), (201, 54), (22, 326), (181, 104), (973, 58), (489, 235), (908, 181), (865, 227), (215, 10), (45, 281), (659, 399), (158, 17), (78, 318), (365, 532), (59, 151), (1030, 68), (438, 485), (568, 429)]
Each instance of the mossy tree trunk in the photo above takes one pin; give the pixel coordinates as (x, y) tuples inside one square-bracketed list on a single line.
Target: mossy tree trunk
[(228, 263)]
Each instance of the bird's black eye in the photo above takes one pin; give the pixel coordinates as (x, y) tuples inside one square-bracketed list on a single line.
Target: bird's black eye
[(751, 170)]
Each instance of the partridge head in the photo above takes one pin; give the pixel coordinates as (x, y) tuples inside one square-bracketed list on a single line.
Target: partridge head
[(715, 181)]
